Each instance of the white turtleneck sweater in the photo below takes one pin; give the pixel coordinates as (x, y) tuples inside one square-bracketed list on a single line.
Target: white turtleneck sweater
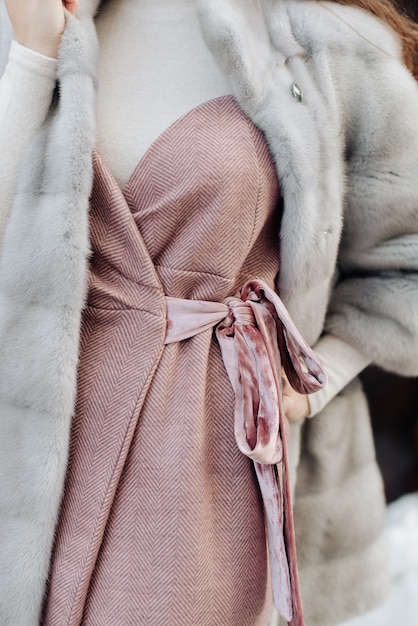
[(154, 67)]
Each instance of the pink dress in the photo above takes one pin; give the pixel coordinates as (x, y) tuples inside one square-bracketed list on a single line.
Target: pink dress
[(162, 520)]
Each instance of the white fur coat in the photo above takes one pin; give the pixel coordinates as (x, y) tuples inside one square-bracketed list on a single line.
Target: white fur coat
[(326, 85)]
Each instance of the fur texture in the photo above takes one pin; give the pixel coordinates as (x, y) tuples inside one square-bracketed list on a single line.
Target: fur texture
[(42, 290), (349, 248)]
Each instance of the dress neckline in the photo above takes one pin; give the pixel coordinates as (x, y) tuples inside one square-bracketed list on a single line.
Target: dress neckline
[(161, 137)]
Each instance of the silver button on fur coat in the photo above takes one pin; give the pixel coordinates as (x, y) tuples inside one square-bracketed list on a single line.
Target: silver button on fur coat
[(347, 162)]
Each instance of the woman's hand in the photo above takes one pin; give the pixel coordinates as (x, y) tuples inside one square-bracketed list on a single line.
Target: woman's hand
[(296, 406), (39, 24)]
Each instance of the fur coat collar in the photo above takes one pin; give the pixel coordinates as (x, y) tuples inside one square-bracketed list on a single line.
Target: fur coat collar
[(329, 133)]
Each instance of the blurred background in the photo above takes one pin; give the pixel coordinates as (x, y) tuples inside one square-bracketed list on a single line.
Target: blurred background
[(410, 7), (394, 408)]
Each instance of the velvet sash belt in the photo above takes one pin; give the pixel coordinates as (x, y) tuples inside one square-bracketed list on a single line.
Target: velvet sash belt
[(258, 338)]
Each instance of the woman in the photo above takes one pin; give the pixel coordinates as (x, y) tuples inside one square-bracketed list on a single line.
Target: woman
[(161, 519)]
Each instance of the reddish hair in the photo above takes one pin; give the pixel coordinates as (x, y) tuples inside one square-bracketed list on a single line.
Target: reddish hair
[(405, 27)]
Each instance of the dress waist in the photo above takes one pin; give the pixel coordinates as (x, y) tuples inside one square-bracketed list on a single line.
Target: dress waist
[(257, 338)]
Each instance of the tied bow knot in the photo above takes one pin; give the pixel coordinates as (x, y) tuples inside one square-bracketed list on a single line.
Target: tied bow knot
[(245, 352), (239, 312)]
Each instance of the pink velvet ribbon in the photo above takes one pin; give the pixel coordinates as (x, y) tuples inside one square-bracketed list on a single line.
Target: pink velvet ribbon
[(257, 338)]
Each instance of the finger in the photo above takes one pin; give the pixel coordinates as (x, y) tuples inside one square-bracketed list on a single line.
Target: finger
[(287, 404), (286, 386), (71, 6)]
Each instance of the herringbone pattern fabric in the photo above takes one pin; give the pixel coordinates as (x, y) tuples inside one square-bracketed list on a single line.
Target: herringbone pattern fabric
[(162, 520)]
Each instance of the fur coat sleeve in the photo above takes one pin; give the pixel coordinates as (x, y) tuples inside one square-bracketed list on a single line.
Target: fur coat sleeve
[(374, 297), (374, 305)]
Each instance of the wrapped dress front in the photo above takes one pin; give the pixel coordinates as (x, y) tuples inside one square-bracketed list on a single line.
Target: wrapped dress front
[(162, 519)]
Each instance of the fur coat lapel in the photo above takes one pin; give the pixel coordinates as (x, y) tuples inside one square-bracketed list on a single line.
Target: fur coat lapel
[(304, 137)]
